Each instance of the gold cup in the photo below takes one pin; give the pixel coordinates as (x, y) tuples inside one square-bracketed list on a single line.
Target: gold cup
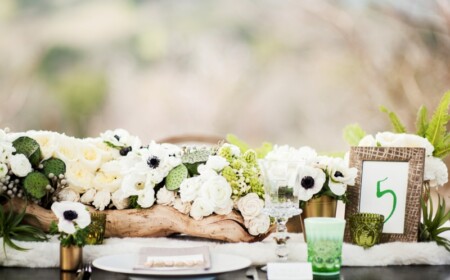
[(96, 230), (70, 257)]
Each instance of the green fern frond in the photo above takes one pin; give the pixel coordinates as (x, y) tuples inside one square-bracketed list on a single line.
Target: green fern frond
[(442, 150), (395, 121), (353, 133), (437, 128), (234, 140), (422, 121)]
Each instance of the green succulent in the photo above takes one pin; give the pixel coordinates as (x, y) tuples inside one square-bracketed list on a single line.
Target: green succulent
[(176, 177), (53, 166), (35, 184), (432, 225), (13, 227), (30, 148)]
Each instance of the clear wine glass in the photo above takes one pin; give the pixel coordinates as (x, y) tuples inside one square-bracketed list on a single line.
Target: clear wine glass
[(281, 185)]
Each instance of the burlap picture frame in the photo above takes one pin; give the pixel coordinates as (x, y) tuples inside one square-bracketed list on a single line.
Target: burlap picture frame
[(415, 158)]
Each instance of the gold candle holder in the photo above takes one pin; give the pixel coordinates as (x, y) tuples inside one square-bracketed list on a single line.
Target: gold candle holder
[(70, 257), (96, 230)]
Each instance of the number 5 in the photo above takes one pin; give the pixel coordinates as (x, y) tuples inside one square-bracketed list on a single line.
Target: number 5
[(380, 193)]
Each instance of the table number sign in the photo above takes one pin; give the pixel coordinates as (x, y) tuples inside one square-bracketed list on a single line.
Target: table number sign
[(389, 182)]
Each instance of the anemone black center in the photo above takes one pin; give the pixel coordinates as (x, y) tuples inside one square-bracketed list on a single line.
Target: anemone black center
[(125, 150), (338, 174), (153, 162), (307, 182), (117, 137), (70, 215)]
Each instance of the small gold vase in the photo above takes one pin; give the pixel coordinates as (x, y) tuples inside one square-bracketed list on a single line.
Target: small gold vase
[(70, 257), (324, 206)]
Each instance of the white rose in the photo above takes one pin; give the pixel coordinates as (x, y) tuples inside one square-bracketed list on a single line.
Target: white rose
[(119, 201), (216, 163), (68, 194), (411, 140), (368, 141), (250, 206), (190, 188), (79, 177), (106, 181), (226, 209), (258, 225), (20, 165), (46, 140), (88, 196), (67, 149), (387, 139), (183, 207), (101, 200), (201, 208), (217, 191), (90, 155), (435, 172), (165, 197)]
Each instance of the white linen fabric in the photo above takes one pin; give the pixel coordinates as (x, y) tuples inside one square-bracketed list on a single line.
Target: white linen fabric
[(46, 254)]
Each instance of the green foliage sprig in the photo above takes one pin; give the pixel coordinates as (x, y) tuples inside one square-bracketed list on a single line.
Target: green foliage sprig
[(261, 152), (77, 239), (13, 227)]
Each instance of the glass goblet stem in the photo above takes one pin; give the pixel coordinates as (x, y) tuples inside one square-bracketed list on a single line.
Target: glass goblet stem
[(281, 239)]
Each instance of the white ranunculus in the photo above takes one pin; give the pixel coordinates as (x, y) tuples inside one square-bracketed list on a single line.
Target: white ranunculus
[(368, 141), (79, 177), (67, 149), (68, 194), (69, 214), (436, 172), (119, 201), (250, 206), (226, 209), (190, 188), (216, 163), (20, 165), (200, 208), (217, 190), (3, 170), (147, 199), (389, 139), (165, 197), (183, 207), (258, 225), (90, 155), (311, 182), (46, 140), (106, 181), (287, 153), (88, 196), (102, 200)]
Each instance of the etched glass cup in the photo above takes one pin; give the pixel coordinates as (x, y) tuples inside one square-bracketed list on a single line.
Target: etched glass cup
[(325, 238)]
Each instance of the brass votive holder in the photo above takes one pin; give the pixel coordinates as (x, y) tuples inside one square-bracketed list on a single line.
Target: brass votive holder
[(96, 230)]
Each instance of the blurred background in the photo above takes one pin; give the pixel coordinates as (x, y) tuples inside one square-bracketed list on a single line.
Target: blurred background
[(288, 72)]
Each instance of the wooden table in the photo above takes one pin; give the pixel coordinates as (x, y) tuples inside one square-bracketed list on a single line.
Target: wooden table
[(419, 272)]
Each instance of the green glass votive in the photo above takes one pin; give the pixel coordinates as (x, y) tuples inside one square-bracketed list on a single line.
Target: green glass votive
[(366, 229), (96, 230), (325, 238)]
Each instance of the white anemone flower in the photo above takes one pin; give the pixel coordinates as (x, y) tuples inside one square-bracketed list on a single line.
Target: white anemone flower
[(340, 176), (312, 180), (70, 215)]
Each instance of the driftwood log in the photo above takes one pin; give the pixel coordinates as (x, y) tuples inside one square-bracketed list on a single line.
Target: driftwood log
[(157, 221)]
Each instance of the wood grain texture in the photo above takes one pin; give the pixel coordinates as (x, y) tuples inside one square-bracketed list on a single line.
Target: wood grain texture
[(157, 221)]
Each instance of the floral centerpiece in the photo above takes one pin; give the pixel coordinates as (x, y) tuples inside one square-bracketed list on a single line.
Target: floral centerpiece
[(319, 175), (431, 134), (116, 171)]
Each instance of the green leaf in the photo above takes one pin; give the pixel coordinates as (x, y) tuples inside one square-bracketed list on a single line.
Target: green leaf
[(265, 148), (437, 128), (442, 150), (234, 140), (353, 133), (395, 121), (422, 121)]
